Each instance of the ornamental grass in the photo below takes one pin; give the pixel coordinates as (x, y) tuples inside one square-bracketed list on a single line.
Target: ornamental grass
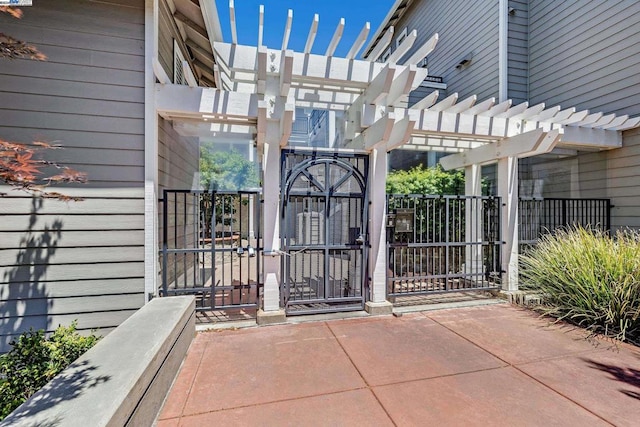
[(588, 278)]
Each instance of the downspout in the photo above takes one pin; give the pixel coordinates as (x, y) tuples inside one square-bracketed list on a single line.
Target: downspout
[(503, 35)]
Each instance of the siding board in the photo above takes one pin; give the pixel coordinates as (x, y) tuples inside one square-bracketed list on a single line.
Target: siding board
[(464, 27), (584, 54), (82, 261)]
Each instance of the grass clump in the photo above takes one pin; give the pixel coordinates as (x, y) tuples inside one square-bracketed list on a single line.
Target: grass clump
[(590, 279), (34, 360)]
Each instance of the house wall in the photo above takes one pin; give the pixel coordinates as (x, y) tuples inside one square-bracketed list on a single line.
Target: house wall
[(464, 27), (77, 260), (584, 53), (518, 51), (178, 164)]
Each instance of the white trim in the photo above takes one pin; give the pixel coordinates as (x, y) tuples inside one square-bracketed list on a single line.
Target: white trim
[(503, 65), (211, 21), (381, 28), (179, 77), (150, 152)]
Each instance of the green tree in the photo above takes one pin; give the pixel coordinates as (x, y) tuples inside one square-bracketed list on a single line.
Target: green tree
[(421, 180), (226, 170)]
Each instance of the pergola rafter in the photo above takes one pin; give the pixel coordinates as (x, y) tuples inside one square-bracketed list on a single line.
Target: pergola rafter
[(259, 89)]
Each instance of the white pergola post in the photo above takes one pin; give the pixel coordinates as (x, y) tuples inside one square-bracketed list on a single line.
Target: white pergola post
[(275, 119), (508, 191), (473, 220), (271, 218), (378, 303)]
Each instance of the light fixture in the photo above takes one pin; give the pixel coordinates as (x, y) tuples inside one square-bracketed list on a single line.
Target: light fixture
[(464, 62)]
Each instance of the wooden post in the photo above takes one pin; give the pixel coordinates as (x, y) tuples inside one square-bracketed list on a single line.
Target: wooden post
[(508, 190)]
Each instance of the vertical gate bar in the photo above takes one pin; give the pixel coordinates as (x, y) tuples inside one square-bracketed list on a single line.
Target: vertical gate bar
[(214, 253), (446, 255), (185, 273), (240, 259), (175, 240), (196, 255), (165, 260)]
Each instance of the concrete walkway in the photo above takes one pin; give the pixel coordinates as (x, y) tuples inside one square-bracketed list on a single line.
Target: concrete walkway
[(490, 366)]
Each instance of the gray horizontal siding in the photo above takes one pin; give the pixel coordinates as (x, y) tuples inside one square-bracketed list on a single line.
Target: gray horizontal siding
[(518, 51), (178, 163), (78, 260), (585, 54), (463, 27), (178, 158)]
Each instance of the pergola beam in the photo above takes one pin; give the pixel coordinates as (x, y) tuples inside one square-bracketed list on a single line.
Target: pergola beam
[(286, 72), (202, 102), (463, 105), (286, 123), (401, 85), (287, 30), (313, 31), (423, 51), (380, 86), (337, 35), (232, 22), (360, 40), (261, 25), (481, 107), (628, 124), (524, 145), (514, 111), (427, 101), (382, 45), (376, 134), (404, 47), (446, 103), (401, 132)]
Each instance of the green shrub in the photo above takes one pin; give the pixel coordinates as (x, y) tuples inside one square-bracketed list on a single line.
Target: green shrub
[(421, 180), (34, 360), (590, 279)]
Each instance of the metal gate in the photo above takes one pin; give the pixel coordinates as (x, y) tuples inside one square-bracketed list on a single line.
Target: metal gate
[(538, 217), (211, 247), (324, 231), (441, 244)]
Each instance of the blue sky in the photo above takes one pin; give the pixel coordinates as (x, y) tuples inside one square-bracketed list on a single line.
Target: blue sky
[(355, 12)]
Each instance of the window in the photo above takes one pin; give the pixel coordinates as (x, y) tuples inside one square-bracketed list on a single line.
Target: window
[(178, 58), (385, 55), (401, 37)]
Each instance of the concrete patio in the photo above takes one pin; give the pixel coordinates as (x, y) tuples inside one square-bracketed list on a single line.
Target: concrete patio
[(490, 365)]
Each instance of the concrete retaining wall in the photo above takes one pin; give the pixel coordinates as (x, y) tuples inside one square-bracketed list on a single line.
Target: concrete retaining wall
[(124, 379)]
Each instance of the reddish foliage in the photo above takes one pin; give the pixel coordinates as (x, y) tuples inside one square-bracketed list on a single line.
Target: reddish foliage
[(12, 48), (19, 168)]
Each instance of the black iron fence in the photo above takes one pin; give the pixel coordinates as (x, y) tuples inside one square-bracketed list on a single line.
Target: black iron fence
[(542, 216), (211, 247), (442, 244)]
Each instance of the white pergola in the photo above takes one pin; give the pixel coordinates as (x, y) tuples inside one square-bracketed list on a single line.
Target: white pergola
[(258, 89)]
